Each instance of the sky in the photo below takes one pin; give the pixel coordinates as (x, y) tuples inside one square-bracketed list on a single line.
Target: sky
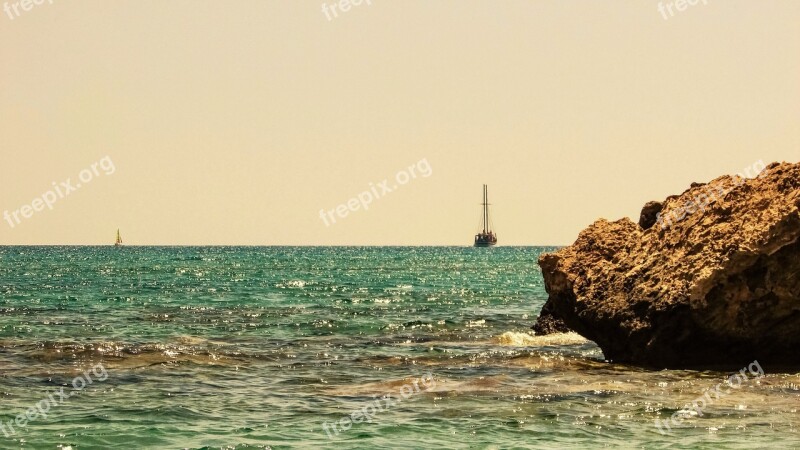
[(297, 122)]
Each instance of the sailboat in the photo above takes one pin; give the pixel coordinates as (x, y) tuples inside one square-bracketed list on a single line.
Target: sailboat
[(486, 238), (118, 243)]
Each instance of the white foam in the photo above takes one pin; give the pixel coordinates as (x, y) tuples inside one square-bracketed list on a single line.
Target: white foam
[(515, 339)]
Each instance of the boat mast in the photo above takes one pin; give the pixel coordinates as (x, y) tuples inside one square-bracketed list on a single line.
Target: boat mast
[(485, 209)]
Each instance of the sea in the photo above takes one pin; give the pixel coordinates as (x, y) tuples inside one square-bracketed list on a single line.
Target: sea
[(337, 347)]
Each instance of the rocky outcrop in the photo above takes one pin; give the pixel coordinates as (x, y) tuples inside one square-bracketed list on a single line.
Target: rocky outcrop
[(549, 322), (707, 278), (650, 214)]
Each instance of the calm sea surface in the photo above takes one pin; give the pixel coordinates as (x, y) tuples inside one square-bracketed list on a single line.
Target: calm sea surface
[(350, 347)]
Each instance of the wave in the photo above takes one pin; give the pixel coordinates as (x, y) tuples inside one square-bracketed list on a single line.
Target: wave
[(515, 339)]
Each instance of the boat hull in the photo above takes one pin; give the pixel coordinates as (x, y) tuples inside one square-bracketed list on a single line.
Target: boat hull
[(485, 240)]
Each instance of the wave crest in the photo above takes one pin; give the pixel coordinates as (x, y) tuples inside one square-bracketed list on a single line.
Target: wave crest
[(515, 339)]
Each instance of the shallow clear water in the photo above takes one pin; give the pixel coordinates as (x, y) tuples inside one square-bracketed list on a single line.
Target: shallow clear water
[(259, 347)]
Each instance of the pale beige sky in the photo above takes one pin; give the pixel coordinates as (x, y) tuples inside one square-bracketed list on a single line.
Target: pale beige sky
[(236, 122)]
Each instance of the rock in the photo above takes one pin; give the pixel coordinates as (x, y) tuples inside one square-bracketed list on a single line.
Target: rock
[(713, 281), (650, 214), (547, 323)]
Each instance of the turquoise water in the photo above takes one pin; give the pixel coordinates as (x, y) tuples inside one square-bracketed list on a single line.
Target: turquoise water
[(260, 347)]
